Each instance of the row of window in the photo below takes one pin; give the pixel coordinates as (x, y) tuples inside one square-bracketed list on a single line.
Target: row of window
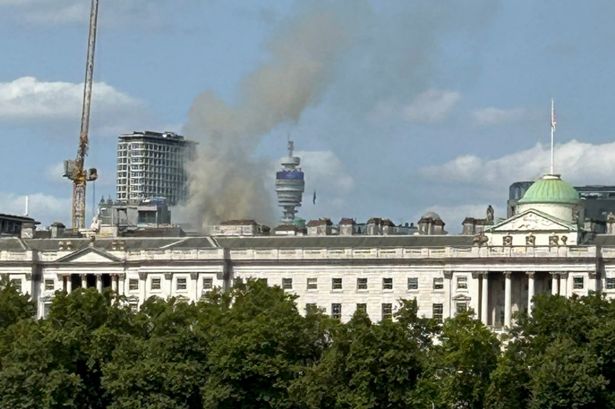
[(578, 283), (386, 309), (387, 283), (180, 284)]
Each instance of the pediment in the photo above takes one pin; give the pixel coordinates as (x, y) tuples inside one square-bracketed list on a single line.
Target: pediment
[(533, 221), (89, 255)]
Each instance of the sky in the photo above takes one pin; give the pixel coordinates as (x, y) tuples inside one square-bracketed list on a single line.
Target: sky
[(396, 107)]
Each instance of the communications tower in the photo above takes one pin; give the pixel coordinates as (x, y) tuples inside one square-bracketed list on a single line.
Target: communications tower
[(289, 185)]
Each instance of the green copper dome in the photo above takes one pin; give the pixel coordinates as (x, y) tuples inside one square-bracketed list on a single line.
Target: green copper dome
[(550, 189)]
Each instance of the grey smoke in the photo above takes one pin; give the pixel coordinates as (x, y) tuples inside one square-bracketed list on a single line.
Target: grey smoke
[(227, 181), (346, 57)]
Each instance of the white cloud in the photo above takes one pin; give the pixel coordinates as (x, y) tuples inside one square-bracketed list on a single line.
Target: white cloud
[(28, 99), (578, 162), (42, 207), (497, 116), (431, 106)]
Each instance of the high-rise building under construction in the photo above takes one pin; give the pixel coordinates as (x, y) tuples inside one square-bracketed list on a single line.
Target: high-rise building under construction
[(152, 164)]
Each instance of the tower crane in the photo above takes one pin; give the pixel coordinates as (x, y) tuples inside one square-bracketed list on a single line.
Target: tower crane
[(74, 169)]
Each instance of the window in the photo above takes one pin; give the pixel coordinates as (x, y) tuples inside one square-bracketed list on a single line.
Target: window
[(461, 307), (155, 285), (49, 285), (387, 311), (438, 283), (133, 284), (17, 283), (181, 283), (362, 307), (387, 283), (437, 311), (312, 283), (361, 283), (310, 307), (578, 283), (287, 283), (336, 311), (134, 305), (208, 283), (610, 283), (462, 283), (336, 283), (413, 283)]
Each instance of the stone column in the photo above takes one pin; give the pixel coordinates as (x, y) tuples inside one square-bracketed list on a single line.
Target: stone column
[(99, 283), (563, 284), (121, 284), (69, 284), (530, 290), (448, 275), (114, 283), (592, 282), (484, 301), (84, 281), (554, 284), (507, 298), (142, 286), (195, 283), (169, 283)]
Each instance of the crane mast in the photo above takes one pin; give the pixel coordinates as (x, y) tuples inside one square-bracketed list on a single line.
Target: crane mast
[(74, 169)]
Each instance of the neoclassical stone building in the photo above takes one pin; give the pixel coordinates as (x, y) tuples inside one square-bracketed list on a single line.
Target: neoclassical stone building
[(540, 249)]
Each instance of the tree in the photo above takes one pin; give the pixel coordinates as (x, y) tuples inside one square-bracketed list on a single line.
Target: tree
[(367, 366), (259, 344), (14, 306), (460, 365)]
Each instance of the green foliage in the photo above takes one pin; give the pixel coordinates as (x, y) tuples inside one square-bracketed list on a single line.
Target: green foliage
[(14, 306), (250, 348)]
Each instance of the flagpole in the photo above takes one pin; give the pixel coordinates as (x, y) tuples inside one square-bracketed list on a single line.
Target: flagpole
[(552, 132)]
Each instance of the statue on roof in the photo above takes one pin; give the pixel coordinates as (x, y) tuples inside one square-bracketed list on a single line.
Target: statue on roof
[(490, 215)]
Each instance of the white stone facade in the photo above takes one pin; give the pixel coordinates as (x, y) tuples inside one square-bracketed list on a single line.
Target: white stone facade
[(339, 274)]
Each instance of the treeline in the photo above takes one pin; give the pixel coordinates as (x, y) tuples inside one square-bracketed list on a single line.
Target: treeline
[(250, 348)]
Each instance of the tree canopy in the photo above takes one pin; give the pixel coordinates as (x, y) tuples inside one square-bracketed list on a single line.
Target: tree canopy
[(249, 347)]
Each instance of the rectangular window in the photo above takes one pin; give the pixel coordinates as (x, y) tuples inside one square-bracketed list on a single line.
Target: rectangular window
[(362, 307), (312, 283), (610, 283), (17, 283), (287, 283), (336, 283), (387, 311), (413, 283), (387, 283), (133, 284), (336, 311), (438, 283), (49, 285), (208, 283), (181, 283), (310, 307), (361, 283), (437, 311), (578, 283), (155, 285), (462, 283), (461, 307)]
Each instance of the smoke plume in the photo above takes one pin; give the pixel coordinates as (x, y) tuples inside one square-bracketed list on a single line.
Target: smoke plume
[(226, 181)]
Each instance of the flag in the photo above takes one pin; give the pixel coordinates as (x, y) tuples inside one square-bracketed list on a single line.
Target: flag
[(314, 198)]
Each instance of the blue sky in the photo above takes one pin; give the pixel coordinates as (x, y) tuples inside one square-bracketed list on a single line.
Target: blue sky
[(410, 105)]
